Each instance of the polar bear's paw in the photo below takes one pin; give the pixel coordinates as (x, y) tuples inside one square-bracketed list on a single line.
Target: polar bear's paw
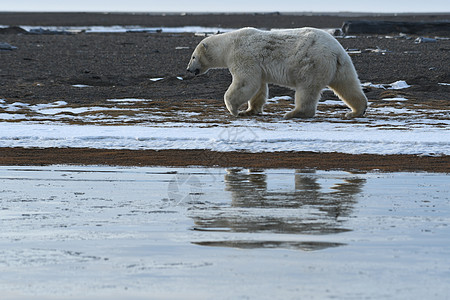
[(352, 114)]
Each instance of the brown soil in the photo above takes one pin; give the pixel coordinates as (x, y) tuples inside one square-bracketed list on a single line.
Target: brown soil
[(291, 160), (44, 68)]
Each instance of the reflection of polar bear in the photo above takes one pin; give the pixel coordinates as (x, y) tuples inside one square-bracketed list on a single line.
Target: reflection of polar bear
[(305, 59)]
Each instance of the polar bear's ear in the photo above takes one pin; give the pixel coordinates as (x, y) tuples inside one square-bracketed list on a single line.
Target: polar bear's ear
[(205, 46)]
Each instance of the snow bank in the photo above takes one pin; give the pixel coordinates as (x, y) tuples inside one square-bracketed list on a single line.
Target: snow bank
[(240, 135)]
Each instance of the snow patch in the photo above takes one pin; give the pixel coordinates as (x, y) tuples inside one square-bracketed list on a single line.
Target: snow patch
[(123, 29), (276, 99), (398, 85)]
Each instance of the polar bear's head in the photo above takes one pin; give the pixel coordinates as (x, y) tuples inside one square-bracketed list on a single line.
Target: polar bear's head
[(199, 63)]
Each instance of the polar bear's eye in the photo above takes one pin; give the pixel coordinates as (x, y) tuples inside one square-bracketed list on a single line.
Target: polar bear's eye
[(193, 57)]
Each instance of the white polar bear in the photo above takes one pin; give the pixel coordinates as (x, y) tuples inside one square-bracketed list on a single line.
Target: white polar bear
[(305, 59)]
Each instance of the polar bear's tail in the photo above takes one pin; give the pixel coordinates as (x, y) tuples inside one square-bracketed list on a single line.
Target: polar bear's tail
[(347, 87)]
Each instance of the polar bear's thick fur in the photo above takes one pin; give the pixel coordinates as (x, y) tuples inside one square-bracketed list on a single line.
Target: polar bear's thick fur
[(305, 59)]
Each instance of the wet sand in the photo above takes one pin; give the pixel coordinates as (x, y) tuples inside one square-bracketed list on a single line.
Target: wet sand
[(44, 68)]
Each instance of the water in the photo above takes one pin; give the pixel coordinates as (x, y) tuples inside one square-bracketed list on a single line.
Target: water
[(197, 233)]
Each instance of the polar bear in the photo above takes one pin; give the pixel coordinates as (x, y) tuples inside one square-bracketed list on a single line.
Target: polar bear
[(305, 59)]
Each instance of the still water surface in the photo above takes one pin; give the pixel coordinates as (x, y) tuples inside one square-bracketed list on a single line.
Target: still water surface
[(203, 233)]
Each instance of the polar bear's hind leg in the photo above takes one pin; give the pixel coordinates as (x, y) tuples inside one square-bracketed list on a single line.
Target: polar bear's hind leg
[(305, 103), (351, 93)]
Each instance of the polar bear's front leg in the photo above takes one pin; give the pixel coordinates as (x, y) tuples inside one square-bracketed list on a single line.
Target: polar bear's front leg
[(306, 101), (256, 104), (239, 92)]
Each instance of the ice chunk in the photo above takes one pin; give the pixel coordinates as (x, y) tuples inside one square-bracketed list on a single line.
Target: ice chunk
[(399, 85), (81, 85)]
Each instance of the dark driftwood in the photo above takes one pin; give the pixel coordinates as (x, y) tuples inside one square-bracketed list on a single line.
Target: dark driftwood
[(12, 30), (383, 27)]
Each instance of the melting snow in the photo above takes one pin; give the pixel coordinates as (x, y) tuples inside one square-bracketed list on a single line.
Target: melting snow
[(391, 127), (241, 135)]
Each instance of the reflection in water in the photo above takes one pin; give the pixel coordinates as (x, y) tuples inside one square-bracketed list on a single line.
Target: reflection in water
[(316, 204), (243, 244)]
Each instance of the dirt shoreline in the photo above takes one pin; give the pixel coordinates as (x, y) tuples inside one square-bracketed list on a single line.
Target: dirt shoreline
[(208, 158)]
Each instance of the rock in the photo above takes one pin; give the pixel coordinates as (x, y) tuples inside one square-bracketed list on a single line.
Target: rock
[(384, 27), (420, 40), (6, 46)]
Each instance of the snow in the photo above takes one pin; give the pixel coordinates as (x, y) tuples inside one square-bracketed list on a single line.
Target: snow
[(128, 100), (276, 99), (122, 29), (398, 85), (392, 126), (81, 85), (395, 99), (239, 135)]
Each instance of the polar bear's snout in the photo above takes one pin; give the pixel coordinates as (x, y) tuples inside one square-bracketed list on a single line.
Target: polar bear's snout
[(194, 66), (195, 71)]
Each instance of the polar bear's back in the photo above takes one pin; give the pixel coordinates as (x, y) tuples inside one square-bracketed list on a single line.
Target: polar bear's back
[(285, 56), (293, 40)]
